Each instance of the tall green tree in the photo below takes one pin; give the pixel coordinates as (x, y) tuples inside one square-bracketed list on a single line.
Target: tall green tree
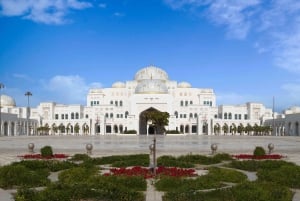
[(159, 119)]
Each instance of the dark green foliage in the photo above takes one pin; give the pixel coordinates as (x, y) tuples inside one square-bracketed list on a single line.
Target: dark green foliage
[(248, 191), (46, 151), (213, 179), (190, 160), (130, 132), (18, 175), (172, 132), (259, 151), (80, 157), (171, 161), (287, 175), (77, 175), (226, 175), (254, 165), (50, 165), (124, 160), (95, 188), (187, 184)]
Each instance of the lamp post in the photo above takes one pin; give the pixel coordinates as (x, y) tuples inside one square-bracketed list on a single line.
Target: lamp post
[(28, 93), (1, 87)]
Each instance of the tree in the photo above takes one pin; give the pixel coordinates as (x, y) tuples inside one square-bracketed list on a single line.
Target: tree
[(159, 119), (240, 129), (76, 128), (225, 128)]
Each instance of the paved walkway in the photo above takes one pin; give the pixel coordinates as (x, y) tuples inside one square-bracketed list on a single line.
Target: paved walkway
[(11, 147)]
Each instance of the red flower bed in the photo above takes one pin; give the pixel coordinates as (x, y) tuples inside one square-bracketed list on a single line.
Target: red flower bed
[(39, 156), (264, 157), (146, 173)]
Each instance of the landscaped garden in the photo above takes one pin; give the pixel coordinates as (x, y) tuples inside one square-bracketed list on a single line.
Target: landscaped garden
[(189, 177)]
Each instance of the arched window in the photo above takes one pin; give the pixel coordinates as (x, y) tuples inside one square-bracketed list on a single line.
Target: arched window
[(176, 114), (126, 114), (116, 103), (181, 128), (186, 103), (195, 115), (106, 115), (121, 103), (225, 115), (230, 115), (72, 115), (181, 103), (77, 115), (191, 115), (111, 102), (111, 115), (187, 129), (191, 102)]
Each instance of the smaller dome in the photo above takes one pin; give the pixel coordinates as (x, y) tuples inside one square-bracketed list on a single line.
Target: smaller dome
[(118, 85), (184, 85), (7, 101)]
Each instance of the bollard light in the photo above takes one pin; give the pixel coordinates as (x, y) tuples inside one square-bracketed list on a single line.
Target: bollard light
[(214, 148), (270, 147), (31, 147), (89, 148)]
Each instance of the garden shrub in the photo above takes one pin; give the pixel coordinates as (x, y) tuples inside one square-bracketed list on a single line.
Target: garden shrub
[(173, 132), (77, 175), (247, 191), (171, 161), (168, 184), (287, 175), (130, 132), (123, 160), (259, 151), (46, 151), (226, 175), (254, 165), (80, 157), (19, 175)]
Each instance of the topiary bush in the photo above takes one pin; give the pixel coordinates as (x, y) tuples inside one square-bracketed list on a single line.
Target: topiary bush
[(259, 151), (46, 151)]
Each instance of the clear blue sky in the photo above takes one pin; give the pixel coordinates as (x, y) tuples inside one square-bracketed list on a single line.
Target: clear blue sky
[(58, 49)]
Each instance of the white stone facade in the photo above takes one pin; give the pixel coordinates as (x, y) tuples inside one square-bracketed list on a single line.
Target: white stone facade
[(118, 109)]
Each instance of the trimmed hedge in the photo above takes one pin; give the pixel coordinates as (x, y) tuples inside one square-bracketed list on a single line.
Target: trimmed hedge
[(46, 151)]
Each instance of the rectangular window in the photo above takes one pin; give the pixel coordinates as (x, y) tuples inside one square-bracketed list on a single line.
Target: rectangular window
[(62, 116), (66, 115), (56, 116), (245, 116)]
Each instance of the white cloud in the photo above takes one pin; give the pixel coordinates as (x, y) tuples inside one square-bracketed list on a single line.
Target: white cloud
[(118, 14), (69, 89), (42, 11), (275, 24), (102, 5)]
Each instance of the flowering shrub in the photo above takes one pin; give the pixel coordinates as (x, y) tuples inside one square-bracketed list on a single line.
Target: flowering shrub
[(146, 173), (39, 156), (263, 157)]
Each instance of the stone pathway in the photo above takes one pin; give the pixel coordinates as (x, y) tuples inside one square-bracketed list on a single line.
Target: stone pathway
[(5, 195), (151, 193), (296, 195)]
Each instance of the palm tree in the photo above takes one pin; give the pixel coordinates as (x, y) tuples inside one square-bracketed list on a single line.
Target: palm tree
[(240, 129), (225, 128), (248, 129), (76, 129), (54, 128)]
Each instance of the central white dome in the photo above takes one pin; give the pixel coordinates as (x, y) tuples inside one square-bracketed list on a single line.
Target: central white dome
[(151, 72), (151, 87)]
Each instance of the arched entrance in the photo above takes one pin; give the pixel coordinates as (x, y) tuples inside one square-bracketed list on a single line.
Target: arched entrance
[(143, 124)]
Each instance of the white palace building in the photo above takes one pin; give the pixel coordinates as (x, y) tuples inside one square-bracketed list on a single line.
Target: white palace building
[(119, 109)]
